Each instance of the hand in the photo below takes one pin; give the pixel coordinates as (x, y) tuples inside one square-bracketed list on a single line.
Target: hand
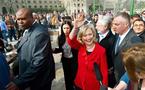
[(12, 86), (79, 21), (75, 23), (110, 88)]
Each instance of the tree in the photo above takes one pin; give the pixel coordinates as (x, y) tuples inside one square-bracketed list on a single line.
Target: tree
[(4, 10), (97, 7)]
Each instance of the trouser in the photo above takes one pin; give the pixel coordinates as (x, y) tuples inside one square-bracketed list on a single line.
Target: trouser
[(45, 87), (12, 34), (68, 76)]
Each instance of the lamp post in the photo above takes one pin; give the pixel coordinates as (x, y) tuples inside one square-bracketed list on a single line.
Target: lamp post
[(94, 6), (131, 7), (140, 4)]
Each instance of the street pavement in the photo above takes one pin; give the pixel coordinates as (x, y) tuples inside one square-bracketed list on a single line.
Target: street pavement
[(58, 82)]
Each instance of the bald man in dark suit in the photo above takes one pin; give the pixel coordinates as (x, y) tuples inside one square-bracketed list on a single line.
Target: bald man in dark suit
[(36, 63)]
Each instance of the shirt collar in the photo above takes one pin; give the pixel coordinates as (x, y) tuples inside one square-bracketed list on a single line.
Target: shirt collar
[(102, 36)]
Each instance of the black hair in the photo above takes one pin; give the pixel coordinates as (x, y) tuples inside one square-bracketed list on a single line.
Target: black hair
[(62, 37), (139, 20), (135, 15)]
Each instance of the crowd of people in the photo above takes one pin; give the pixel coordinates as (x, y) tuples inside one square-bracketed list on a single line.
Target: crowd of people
[(114, 42)]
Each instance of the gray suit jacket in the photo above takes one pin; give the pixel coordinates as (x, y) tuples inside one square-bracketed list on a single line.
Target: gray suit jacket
[(127, 42), (36, 63)]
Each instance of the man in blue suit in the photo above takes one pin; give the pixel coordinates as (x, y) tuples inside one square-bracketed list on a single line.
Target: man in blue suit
[(4, 68), (36, 63)]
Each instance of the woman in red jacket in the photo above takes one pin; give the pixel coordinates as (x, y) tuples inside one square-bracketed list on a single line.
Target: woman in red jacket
[(89, 52)]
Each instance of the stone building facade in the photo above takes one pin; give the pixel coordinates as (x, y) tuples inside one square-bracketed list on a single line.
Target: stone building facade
[(10, 6)]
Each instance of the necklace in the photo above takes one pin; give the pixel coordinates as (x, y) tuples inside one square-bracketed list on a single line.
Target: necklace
[(90, 48)]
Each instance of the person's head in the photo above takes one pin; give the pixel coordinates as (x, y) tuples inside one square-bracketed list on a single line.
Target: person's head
[(143, 15), (66, 19), (103, 25), (35, 15), (95, 17), (138, 26), (134, 17), (24, 18), (66, 27), (87, 34), (121, 23), (134, 61), (80, 16)]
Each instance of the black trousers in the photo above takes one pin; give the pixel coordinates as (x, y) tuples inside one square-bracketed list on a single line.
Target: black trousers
[(45, 87), (68, 73)]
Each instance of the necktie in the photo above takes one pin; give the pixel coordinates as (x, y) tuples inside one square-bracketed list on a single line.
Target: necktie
[(117, 45)]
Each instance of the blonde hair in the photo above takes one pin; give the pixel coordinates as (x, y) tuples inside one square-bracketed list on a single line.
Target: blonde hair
[(83, 30), (134, 60)]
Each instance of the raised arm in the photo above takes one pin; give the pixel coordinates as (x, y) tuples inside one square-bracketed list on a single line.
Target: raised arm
[(75, 30)]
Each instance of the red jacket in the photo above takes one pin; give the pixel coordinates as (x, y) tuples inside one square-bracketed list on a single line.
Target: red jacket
[(86, 78)]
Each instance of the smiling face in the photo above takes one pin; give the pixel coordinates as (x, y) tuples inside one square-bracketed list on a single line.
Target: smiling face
[(88, 37), (138, 27)]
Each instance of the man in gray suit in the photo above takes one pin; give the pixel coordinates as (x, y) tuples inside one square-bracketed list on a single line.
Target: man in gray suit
[(36, 63), (125, 38)]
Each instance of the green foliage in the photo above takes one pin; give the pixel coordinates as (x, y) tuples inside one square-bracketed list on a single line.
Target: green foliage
[(97, 7), (4, 10)]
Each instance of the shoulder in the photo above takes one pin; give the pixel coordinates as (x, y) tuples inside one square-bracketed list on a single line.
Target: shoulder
[(2, 58), (136, 39), (99, 48), (38, 28)]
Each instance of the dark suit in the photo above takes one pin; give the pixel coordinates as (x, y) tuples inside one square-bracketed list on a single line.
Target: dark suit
[(107, 43), (142, 36), (127, 42), (36, 63)]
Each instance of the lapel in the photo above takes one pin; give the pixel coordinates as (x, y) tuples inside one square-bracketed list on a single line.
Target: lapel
[(26, 37), (107, 36), (126, 39)]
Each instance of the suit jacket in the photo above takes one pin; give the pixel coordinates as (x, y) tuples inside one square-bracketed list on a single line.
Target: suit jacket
[(142, 36), (107, 43), (4, 71), (36, 63), (127, 42)]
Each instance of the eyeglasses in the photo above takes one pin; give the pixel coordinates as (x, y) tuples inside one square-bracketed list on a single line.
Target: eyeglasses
[(143, 13)]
